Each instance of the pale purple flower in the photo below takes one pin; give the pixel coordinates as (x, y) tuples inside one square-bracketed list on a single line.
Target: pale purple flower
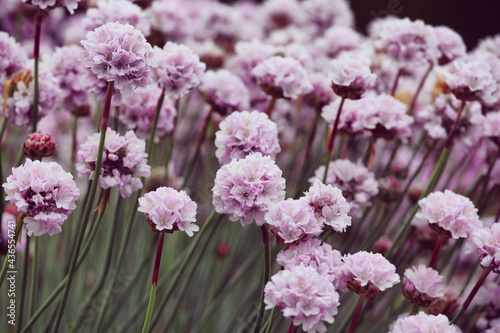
[(356, 117), (242, 133), (119, 52), (424, 323), (488, 298), (490, 44), (244, 188), (282, 77), (451, 213), (45, 193), (486, 242), (469, 80), (70, 5), (357, 184), (123, 11), (304, 295), (330, 206), (492, 125), (320, 256), (169, 210), (338, 39), (179, 69), (279, 14), (124, 161), (322, 93), (369, 274), (327, 13), (171, 18), (292, 221), (421, 285), (389, 115), (450, 44), (137, 112), (351, 76), (224, 91), (12, 57)]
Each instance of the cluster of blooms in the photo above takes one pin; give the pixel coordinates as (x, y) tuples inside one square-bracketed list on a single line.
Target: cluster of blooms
[(242, 133), (12, 57), (45, 193), (488, 299), (351, 76), (421, 285), (169, 210), (71, 5), (124, 161), (424, 323), (486, 242)]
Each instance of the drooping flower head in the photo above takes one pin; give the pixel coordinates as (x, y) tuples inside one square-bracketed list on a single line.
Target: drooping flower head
[(330, 206), (242, 133), (119, 52), (70, 5), (124, 161), (45, 193), (179, 69), (470, 80), (421, 285), (424, 323), (369, 274), (304, 295), (282, 77), (486, 242), (244, 188), (313, 253), (169, 210), (450, 214), (351, 76), (12, 57)]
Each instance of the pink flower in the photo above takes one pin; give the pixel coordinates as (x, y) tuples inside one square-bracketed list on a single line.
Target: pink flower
[(450, 44), (242, 133), (244, 188), (70, 5), (45, 193), (356, 117), (424, 323), (351, 76), (169, 210), (390, 117), (451, 213), (369, 274), (12, 57), (421, 285), (471, 80), (330, 206), (124, 161), (486, 241), (304, 295)]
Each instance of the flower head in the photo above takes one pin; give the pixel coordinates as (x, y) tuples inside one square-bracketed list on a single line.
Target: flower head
[(70, 5), (390, 118), (244, 188), (45, 193), (449, 213), (38, 145), (304, 295), (470, 80), (242, 133), (450, 44), (486, 242), (424, 323), (169, 210), (356, 117), (124, 161), (421, 285), (351, 76), (119, 52), (12, 57)]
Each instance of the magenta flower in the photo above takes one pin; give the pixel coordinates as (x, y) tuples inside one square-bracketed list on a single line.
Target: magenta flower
[(179, 69), (45, 193), (242, 133), (119, 52), (486, 242), (124, 161), (244, 188), (282, 77), (320, 256), (351, 76), (70, 5), (421, 285), (12, 57), (424, 323), (369, 274), (304, 295), (169, 210), (330, 206), (449, 213), (471, 80)]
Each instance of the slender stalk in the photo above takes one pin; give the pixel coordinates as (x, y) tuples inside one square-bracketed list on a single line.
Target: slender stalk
[(34, 279), (74, 129), (6, 264), (267, 275), (292, 328), (331, 141), (88, 207), (270, 323), (472, 294), (419, 89), (24, 289), (154, 282), (159, 105), (396, 80), (356, 313), (36, 56), (435, 253), (270, 107)]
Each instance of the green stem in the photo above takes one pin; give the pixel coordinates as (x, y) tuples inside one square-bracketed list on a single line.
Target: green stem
[(267, 275), (159, 105), (34, 279), (6, 264), (88, 207), (24, 289), (270, 323), (414, 309), (36, 56)]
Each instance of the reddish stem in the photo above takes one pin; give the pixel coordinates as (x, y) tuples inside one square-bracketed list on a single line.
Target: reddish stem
[(335, 125), (449, 140), (107, 106), (154, 280), (356, 313), (435, 253), (270, 106), (292, 328), (395, 85)]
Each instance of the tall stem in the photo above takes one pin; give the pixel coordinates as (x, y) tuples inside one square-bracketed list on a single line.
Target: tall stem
[(6, 264), (396, 80), (34, 279), (332, 138), (36, 56), (270, 107), (435, 253), (159, 105), (419, 89), (154, 282), (88, 207), (356, 313), (267, 274)]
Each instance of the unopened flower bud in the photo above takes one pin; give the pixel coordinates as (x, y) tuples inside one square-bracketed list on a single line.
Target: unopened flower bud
[(222, 250), (38, 145)]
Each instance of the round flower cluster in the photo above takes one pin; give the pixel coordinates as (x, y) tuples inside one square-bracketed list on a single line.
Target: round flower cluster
[(169, 210), (282, 77), (38, 145), (421, 285), (424, 323), (330, 206), (357, 184), (12, 57), (179, 69), (369, 274), (119, 52), (70, 5), (449, 213), (242, 133), (292, 221), (351, 76), (124, 161), (304, 295), (486, 242), (244, 188), (470, 80), (322, 257), (45, 193), (390, 118), (355, 118)]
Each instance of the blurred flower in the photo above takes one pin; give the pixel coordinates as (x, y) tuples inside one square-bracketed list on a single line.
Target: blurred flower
[(424, 323), (469, 80), (45, 193), (9, 217), (486, 242), (356, 116), (70, 5), (12, 57), (450, 44), (351, 76), (390, 118), (38, 145), (328, 13), (421, 285)]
